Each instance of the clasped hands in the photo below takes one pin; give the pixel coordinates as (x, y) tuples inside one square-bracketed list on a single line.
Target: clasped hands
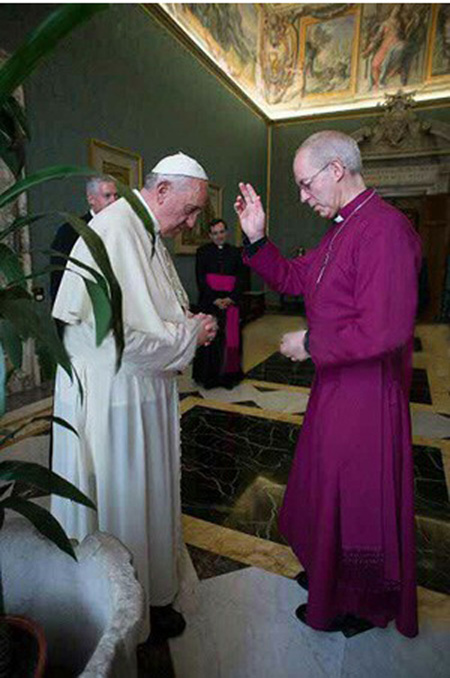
[(223, 303), (208, 329), (293, 346)]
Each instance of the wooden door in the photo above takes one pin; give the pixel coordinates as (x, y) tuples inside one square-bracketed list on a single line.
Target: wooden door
[(434, 229), (430, 215)]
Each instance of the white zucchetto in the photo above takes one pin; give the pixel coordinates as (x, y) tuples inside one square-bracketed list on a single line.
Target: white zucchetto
[(181, 165)]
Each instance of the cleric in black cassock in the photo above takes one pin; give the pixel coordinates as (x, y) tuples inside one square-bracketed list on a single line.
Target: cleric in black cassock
[(219, 272)]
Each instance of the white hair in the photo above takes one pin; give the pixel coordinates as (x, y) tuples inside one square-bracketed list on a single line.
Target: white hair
[(153, 178), (93, 184), (330, 145)]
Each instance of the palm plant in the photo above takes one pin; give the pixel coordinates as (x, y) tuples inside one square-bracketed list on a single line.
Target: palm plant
[(21, 317)]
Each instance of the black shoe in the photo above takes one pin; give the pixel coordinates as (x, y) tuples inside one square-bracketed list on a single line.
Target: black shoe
[(302, 580), (301, 611), (353, 626), (347, 624), (166, 622)]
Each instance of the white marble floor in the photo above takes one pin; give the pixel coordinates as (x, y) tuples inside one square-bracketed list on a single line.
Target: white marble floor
[(242, 625), (430, 424), (277, 399)]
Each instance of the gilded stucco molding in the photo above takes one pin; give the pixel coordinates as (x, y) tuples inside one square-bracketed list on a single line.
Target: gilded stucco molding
[(399, 132)]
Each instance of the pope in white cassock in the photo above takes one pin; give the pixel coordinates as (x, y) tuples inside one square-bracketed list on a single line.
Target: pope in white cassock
[(127, 456)]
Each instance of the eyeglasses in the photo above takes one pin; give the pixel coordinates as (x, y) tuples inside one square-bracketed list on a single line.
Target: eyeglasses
[(305, 184)]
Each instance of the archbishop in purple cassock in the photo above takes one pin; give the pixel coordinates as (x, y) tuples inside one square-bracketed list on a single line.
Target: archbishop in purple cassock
[(348, 511)]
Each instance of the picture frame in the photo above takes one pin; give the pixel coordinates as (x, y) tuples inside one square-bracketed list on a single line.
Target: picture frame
[(325, 75), (438, 61), (120, 163), (188, 241)]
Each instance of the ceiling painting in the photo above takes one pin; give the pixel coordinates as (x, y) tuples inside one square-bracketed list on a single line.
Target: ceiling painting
[(295, 60)]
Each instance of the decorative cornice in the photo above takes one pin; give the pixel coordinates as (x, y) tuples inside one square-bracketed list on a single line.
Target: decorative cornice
[(372, 112), (400, 133)]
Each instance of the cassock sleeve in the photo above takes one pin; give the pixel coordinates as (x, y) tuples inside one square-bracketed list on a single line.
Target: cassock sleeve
[(286, 276), (385, 299), (164, 345), (173, 354)]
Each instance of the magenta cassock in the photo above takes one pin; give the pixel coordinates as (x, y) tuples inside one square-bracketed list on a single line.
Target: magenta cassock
[(348, 511)]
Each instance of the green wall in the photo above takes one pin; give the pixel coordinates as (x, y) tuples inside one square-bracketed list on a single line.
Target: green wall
[(291, 223), (123, 79)]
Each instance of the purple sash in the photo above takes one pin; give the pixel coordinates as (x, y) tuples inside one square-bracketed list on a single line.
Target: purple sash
[(226, 283)]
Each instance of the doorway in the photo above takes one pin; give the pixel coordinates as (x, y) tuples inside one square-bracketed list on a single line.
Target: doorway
[(430, 216)]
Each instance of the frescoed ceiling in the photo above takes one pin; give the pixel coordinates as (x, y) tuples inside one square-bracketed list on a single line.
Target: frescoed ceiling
[(295, 60)]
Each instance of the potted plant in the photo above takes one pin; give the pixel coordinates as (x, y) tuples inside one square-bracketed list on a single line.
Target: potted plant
[(21, 317)]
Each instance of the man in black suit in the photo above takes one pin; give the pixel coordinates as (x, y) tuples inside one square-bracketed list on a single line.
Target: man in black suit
[(100, 193)]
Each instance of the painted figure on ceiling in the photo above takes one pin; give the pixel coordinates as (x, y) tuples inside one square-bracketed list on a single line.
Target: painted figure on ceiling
[(327, 54), (394, 43), (443, 35), (316, 42), (385, 47), (278, 57), (224, 22)]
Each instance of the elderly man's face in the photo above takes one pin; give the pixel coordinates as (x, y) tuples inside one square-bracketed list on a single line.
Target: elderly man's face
[(106, 194), (180, 205), (317, 184)]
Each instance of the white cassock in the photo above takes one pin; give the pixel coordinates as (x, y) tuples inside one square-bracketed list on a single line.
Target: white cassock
[(127, 458)]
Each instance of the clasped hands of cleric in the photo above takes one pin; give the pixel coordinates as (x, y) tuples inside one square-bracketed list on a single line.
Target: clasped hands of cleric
[(223, 303), (253, 219), (208, 328)]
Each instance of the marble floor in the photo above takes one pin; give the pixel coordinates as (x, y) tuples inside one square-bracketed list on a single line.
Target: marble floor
[(241, 625), (237, 591)]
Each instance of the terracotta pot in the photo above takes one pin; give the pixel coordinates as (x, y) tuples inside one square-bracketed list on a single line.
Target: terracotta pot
[(28, 626), (98, 603)]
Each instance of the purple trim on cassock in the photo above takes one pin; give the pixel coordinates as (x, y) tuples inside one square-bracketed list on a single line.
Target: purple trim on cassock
[(226, 283)]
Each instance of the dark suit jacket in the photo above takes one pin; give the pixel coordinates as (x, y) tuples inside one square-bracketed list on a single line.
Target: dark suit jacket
[(63, 241)]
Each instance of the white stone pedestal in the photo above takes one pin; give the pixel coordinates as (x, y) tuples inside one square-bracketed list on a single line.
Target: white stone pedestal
[(91, 610)]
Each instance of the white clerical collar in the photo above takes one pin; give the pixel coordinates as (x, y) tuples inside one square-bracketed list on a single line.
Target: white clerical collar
[(338, 218), (154, 219)]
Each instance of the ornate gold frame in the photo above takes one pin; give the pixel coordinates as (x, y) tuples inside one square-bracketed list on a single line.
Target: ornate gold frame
[(305, 23), (429, 78), (101, 155)]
